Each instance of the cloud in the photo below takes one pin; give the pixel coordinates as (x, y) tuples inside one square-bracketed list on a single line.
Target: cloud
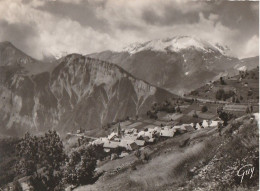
[(82, 12), (37, 32), (251, 48), (22, 34), (86, 26)]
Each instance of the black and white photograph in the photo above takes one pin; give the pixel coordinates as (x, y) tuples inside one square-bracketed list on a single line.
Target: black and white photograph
[(129, 95)]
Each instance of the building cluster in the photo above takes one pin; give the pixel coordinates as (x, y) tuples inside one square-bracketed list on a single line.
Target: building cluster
[(132, 139)]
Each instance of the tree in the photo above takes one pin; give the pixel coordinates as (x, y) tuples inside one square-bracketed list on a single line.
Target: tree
[(220, 94), (80, 166), (178, 109), (152, 114), (138, 154), (224, 116), (204, 109), (195, 115), (45, 153), (222, 82), (247, 110), (28, 151), (52, 158), (233, 99)]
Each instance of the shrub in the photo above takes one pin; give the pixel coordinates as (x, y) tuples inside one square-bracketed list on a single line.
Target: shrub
[(219, 94), (17, 186), (138, 154), (204, 109), (178, 109), (222, 82), (222, 95), (152, 114), (195, 93), (79, 169), (195, 115), (224, 116), (250, 93)]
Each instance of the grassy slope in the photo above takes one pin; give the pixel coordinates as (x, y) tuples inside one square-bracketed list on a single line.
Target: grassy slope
[(172, 162), (209, 92)]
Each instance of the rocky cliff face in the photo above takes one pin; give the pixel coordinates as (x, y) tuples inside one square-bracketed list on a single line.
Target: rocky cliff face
[(79, 92), (178, 64)]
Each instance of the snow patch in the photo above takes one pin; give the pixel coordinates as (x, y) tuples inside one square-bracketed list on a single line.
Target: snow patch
[(175, 44), (242, 68)]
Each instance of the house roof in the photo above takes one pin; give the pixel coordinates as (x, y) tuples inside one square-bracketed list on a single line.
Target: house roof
[(140, 142), (130, 137), (214, 123), (111, 144), (100, 141), (107, 150), (123, 154), (198, 126), (151, 140), (179, 127), (146, 134), (189, 127), (158, 129), (128, 144), (205, 123), (167, 133), (112, 135)]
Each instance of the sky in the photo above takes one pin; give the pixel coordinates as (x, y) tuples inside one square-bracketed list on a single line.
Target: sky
[(42, 28)]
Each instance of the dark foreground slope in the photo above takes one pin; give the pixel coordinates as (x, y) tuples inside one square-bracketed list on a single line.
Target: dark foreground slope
[(206, 161)]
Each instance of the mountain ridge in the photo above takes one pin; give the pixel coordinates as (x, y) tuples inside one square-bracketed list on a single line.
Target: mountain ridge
[(178, 70), (174, 44), (80, 92)]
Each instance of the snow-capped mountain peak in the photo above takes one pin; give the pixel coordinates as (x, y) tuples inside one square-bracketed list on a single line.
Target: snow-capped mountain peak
[(175, 44)]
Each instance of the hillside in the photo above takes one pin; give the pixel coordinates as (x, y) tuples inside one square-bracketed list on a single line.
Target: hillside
[(80, 92), (197, 160), (178, 64), (242, 88)]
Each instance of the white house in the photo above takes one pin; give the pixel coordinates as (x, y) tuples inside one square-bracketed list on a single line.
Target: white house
[(110, 145), (140, 143), (205, 123), (198, 126), (112, 136), (167, 133), (214, 123)]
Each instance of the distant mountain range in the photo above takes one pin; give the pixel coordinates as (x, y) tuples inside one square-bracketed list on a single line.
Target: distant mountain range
[(80, 92), (178, 64), (87, 92)]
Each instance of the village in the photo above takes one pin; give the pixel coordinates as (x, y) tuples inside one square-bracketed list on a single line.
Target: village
[(121, 141)]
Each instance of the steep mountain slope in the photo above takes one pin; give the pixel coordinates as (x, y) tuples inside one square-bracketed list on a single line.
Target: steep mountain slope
[(13, 59), (79, 92), (179, 64)]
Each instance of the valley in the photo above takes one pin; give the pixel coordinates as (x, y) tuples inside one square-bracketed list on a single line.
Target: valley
[(128, 128)]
